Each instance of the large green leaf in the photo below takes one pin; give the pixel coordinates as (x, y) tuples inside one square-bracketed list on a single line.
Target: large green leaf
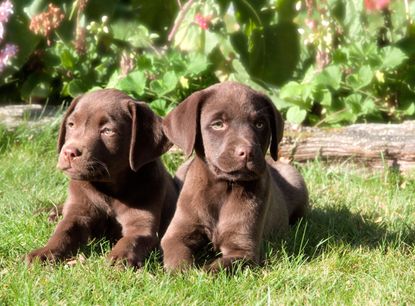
[(76, 87), (392, 57), (133, 83), (157, 15), (291, 91), (330, 76), (362, 78), (161, 107), (341, 117), (272, 53), (197, 63), (132, 32), (165, 85), (354, 103), (296, 115)]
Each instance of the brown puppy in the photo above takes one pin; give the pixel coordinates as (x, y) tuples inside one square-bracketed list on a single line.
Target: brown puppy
[(109, 146), (231, 196)]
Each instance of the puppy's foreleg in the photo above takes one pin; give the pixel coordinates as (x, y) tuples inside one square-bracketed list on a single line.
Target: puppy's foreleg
[(69, 235)]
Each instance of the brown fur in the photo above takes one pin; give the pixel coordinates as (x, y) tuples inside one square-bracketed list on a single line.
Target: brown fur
[(232, 195), (109, 146)]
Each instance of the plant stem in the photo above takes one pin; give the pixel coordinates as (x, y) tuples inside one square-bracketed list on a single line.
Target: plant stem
[(180, 18)]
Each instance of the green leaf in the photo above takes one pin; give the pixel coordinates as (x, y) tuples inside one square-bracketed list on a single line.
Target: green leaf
[(326, 101), (67, 59), (134, 33), (156, 15), (167, 84), (134, 82), (35, 7), (76, 87), (345, 116), (330, 76), (410, 110), (170, 81), (112, 82), (291, 91), (392, 57), (161, 107), (323, 96), (197, 63), (271, 53), (296, 115), (363, 78), (368, 106), (354, 103), (212, 40)]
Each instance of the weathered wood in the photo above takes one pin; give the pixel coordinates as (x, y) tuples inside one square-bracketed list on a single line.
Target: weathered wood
[(11, 116), (375, 145)]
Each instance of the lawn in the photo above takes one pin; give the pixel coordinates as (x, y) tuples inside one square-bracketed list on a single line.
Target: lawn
[(355, 247)]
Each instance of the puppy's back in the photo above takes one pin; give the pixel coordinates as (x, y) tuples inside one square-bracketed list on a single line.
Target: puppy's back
[(293, 188)]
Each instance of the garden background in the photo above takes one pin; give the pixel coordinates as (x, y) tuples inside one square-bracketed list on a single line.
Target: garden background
[(323, 63)]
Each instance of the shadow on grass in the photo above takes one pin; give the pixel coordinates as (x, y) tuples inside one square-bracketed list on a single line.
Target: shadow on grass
[(321, 230), (331, 227)]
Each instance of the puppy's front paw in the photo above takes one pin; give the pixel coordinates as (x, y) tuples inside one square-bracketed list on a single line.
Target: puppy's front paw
[(125, 256), (42, 255), (229, 264)]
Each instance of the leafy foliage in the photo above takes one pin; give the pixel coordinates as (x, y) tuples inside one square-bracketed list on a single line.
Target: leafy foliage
[(322, 62), (366, 77)]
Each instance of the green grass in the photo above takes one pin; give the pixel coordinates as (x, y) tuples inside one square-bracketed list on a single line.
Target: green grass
[(355, 247)]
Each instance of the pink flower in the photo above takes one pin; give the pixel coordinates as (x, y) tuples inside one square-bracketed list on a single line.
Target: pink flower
[(6, 9), (376, 5), (202, 21), (1, 31), (310, 23), (6, 54)]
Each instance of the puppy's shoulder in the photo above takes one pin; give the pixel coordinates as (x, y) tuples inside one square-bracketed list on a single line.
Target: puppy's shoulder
[(283, 172), (181, 172)]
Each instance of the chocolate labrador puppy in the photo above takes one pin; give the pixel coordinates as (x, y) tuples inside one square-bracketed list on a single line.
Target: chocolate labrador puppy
[(109, 147), (232, 196)]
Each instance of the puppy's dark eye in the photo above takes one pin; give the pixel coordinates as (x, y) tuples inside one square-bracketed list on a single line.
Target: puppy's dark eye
[(259, 125), (218, 125), (107, 132), (70, 124)]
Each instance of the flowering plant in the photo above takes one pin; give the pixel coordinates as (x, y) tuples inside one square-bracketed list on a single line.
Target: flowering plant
[(9, 50), (322, 62)]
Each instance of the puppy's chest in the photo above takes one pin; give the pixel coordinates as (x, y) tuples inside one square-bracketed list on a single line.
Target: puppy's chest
[(219, 203), (102, 203)]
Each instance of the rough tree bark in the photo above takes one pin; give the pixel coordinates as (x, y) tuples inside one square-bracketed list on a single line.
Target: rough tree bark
[(375, 145)]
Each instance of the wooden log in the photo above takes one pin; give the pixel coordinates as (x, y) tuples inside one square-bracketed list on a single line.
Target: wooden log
[(375, 145)]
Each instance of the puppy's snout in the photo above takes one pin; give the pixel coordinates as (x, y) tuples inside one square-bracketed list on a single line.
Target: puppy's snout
[(70, 153), (243, 152)]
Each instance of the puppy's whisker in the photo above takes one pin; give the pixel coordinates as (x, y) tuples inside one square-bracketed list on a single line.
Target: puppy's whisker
[(101, 164)]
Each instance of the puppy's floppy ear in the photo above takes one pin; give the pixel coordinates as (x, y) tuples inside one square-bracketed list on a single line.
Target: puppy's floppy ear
[(147, 138), (277, 128), (181, 125), (62, 129)]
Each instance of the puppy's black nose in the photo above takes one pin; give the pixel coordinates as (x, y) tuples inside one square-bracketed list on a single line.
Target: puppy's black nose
[(70, 153)]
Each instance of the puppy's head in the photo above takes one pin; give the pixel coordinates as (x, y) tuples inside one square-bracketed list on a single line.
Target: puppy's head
[(230, 126), (104, 133)]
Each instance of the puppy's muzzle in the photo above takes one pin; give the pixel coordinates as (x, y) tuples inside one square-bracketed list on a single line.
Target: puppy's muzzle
[(70, 153), (243, 154)]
